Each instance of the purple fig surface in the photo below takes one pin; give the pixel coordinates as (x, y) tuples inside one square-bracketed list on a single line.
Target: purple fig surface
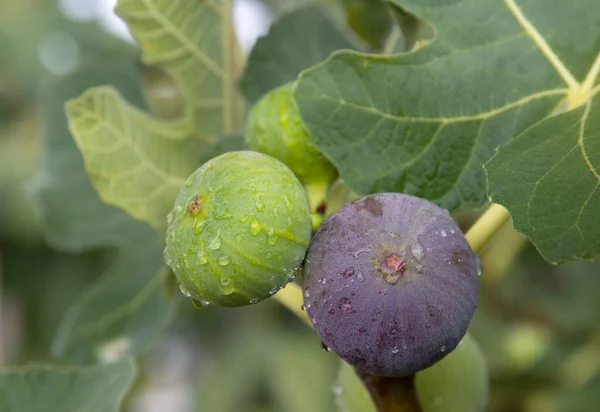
[(390, 283)]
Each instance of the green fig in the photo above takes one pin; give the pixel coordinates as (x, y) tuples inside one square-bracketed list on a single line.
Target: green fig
[(239, 229), (274, 127)]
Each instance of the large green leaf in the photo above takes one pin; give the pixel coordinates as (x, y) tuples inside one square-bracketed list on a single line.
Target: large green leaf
[(195, 42), (74, 218), (296, 41), (424, 122), (123, 312), (548, 178), (75, 389), (136, 162)]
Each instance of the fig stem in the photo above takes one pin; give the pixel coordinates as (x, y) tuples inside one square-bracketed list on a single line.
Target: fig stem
[(486, 227), (291, 297), (392, 394)]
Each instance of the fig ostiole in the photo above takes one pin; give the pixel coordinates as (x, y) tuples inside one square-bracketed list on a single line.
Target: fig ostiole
[(239, 229), (390, 284), (274, 127)]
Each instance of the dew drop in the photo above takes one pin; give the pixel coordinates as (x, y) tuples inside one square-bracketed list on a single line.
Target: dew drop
[(479, 267), (443, 233), (346, 305), (314, 321), (223, 260), (395, 349), (306, 293), (417, 251), (215, 242), (303, 308), (185, 292), (200, 303), (337, 390), (271, 237), (180, 208), (254, 227), (273, 290), (393, 331), (348, 272), (452, 231), (202, 257), (259, 205), (199, 226), (225, 281), (443, 349), (253, 300), (360, 277)]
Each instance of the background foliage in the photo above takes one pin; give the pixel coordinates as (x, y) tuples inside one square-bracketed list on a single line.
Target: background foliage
[(83, 283)]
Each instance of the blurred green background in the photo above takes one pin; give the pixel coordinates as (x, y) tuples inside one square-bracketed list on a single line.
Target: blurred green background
[(538, 325)]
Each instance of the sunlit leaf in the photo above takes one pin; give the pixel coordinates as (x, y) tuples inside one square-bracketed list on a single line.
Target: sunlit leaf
[(196, 43), (74, 389), (135, 162), (74, 218)]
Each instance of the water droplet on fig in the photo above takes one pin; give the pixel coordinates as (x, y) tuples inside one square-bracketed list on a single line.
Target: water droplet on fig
[(259, 205), (417, 251), (254, 227), (346, 305), (253, 300), (314, 321), (443, 233), (202, 257), (479, 267), (360, 277), (302, 307), (306, 293), (199, 226), (337, 390), (271, 237), (200, 303), (225, 281), (452, 231), (273, 290), (215, 242), (185, 292), (443, 349), (395, 349), (223, 260)]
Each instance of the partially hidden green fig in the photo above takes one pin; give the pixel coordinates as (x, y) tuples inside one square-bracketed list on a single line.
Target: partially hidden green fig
[(457, 383), (274, 127), (239, 229), (390, 284)]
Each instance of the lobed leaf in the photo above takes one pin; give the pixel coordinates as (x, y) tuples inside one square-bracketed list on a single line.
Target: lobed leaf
[(424, 122), (296, 41), (121, 313), (49, 389), (74, 218), (196, 43), (135, 162)]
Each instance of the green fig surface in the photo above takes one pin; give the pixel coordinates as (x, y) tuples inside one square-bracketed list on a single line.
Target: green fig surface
[(274, 127), (239, 229), (457, 383)]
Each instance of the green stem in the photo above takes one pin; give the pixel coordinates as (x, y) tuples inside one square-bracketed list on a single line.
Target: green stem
[(486, 227)]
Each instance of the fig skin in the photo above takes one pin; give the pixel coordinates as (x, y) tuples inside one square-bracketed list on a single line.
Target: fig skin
[(275, 128), (239, 229), (390, 284)]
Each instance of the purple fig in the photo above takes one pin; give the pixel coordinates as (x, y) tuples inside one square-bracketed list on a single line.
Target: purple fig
[(390, 283)]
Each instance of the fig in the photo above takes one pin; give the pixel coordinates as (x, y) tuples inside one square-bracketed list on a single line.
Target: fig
[(275, 128), (239, 229), (457, 383), (390, 283)]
